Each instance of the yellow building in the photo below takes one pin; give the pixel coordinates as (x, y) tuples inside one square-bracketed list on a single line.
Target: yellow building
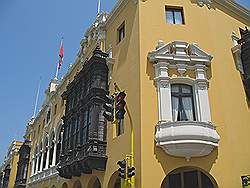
[(8, 169), (179, 64)]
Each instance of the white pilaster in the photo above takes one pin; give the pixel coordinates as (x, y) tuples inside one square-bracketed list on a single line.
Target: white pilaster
[(163, 92), (202, 92)]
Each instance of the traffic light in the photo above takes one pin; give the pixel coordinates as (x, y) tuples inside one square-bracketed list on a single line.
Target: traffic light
[(120, 105), (245, 180), (130, 172), (109, 108), (122, 169)]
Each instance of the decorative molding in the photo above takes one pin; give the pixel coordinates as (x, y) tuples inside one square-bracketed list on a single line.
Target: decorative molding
[(208, 3), (236, 51), (179, 52)]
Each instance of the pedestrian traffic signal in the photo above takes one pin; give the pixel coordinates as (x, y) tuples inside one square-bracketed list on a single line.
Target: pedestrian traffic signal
[(130, 172), (122, 170), (120, 105), (245, 180), (109, 108)]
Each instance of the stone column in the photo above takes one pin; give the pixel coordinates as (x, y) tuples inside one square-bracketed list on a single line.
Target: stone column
[(41, 164), (33, 167), (163, 92), (54, 153), (37, 158), (47, 158)]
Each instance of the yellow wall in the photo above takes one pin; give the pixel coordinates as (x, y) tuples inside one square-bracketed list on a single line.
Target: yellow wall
[(126, 75), (211, 30)]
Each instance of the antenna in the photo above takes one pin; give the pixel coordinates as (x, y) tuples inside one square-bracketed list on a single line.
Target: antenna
[(99, 7), (37, 95)]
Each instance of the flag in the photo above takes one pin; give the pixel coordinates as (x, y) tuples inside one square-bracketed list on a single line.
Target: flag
[(60, 60)]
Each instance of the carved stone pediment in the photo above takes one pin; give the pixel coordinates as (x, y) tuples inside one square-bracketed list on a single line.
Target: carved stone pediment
[(179, 51)]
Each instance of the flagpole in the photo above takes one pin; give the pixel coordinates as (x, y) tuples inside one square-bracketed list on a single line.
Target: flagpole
[(99, 7), (57, 70), (37, 95)]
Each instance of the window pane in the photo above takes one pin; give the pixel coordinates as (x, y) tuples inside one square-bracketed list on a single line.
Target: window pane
[(188, 108), (190, 179), (186, 89), (175, 181), (175, 108), (178, 17), (175, 89), (169, 16)]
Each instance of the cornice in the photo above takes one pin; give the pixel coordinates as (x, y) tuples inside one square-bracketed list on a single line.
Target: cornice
[(228, 5), (117, 9), (235, 8)]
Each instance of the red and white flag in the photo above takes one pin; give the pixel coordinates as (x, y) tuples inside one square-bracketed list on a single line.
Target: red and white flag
[(60, 60)]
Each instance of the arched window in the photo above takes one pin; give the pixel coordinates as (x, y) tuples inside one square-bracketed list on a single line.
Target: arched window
[(65, 185), (182, 102), (188, 178)]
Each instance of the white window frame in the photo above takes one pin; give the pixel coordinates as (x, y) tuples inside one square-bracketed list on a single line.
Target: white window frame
[(186, 57)]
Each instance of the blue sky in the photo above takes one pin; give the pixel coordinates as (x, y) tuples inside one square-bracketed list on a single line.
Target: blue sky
[(30, 33)]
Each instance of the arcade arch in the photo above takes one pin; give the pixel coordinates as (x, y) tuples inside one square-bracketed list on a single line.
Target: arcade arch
[(114, 181), (77, 184), (94, 182), (188, 177)]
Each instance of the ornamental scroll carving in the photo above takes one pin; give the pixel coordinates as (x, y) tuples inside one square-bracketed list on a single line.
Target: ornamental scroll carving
[(208, 3)]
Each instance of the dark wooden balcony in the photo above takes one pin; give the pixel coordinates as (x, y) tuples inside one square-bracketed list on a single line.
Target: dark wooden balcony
[(84, 129)]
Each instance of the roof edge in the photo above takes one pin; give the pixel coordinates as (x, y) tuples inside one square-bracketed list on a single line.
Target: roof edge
[(235, 8)]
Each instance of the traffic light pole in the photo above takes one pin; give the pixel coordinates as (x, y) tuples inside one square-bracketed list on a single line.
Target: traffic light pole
[(132, 180)]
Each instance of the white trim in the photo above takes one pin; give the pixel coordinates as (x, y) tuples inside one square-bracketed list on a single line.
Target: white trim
[(195, 140), (187, 139)]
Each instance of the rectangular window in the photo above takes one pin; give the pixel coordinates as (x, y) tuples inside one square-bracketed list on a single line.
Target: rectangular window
[(182, 102), (121, 32), (174, 15)]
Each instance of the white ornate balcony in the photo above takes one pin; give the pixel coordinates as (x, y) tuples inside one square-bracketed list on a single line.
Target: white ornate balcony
[(187, 138), (41, 176)]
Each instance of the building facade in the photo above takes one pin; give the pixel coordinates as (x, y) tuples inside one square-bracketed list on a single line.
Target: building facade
[(8, 169), (185, 73)]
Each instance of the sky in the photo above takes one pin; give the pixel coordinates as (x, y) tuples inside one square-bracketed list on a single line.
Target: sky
[(30, 34)]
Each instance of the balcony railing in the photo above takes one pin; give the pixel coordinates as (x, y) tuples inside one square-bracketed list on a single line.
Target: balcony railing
[(41, 176)]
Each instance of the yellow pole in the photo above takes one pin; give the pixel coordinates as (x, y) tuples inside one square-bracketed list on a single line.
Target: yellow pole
[(132, 182)]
